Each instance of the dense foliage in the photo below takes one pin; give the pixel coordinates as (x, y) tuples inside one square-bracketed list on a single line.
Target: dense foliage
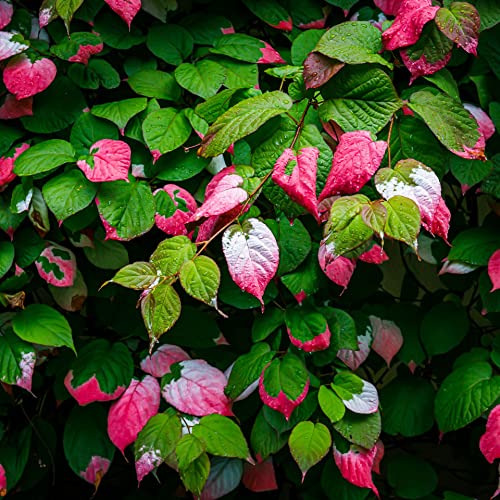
[(250, 248)]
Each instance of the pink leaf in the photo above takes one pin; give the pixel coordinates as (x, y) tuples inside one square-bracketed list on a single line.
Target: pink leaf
[(175, 225), (260, 477), (7, 165), (485, 124), (283, 25), (270, 55), (379, 455), (411, 18), (197, 388), (355, 161), (130, 413), (3, 481), (6, 11), (422, 67), (57, 265), (318, 343), (126, 9), (85, 52), (338, 269), (97, 467), (25, 79), (111, 160), (356, 466), (226, 195), (300, 184), (13, 108), (376, 255), (159, 363), (494, 270), (387, 338), (9, 47), (489, 444), (440, 223), (388, 7), (90, 391), (252, 255), (27, 367), (146, 463), (354, 359)]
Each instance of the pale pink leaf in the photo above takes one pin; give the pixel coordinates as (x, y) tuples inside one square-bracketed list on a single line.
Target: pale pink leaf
[(13, 108), (175, 225), (9, 47), (300, 184), (3, 481), (494, 270), (354, 359), (199, 390), (24, 78), (57, 265), (376, 255), (338, 269), (484, 122), (130, 413), (90, 391), (388, 7), (27, 367), (356, 466), (226, 195), (270, 55), (97, 467), (147, 462), (260, 477), (85, 52), (111, 161), (159, 363), (421, 67), (365, 402), (356, 159), (126, 9), (411, 18), (456, 267), (387, 338), (489, 444), (379, 455), (440, 223), (7, 165), (252, 255), (6, 11)]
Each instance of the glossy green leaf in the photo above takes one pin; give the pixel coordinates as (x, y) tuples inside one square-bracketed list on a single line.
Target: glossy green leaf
[(200, 277), (44, 156)]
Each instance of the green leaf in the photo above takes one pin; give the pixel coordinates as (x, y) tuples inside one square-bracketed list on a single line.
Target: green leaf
[(247, 369), (304, 44), (305, 325), (444, 327), (153, 83), (489, 12), (188, 449), (265, 324), (239, 75), (16, 356), (243, 119), (408, 404), (6, 257), (200, 277), (215, 106), (294, 244), (138, 276), (469, 172), (239, 46), (464, 395), (171, 43), (179, 165), (331, 405), (358, 98), (270, 12), (106, 254), (160, 310), (14, 455), (203, 78), (363, 430), (221, 437), (115, 33), (449, 121), (43, 325), (443, 79), (475, 246), (195, 475), (66, 9), (68, 193), (309, 443), (353, 42), (171, 254), (128, 207), (403, 220), (8, 135), (166, 129), (265, 440), (120, 112), (97, 73), (44, 157)]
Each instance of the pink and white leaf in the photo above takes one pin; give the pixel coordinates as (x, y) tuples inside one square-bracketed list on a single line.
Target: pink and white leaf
[(260, 477), (484, 122), (387, 338), (9, 47), (300, 184), (27, 367), (126, 9), (6, 11), (270, 55), (130, 413), (364, 403), (111, 160), (199, 390), (24, 78), (356, 466), (175, 225), (159, 363), (13, 108), (494, 270), (356, 159), (410, 20), (489, 443), (252, 255), (57, 265), (376, 255), (90, 391), (440, 223), (456, 267), (338, 269), (97, 467), (354, 359), (7, 165)]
